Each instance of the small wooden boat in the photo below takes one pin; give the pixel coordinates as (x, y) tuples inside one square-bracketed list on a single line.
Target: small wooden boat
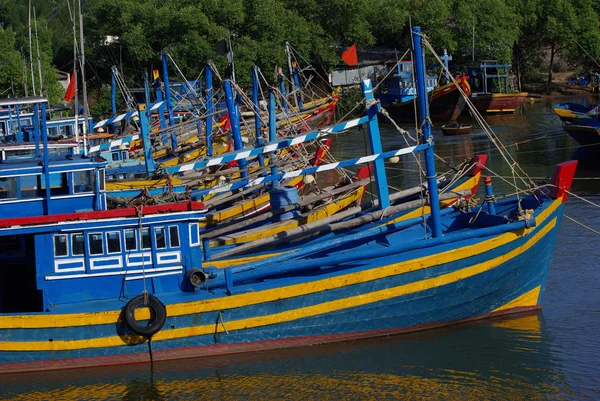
[(456, 129)]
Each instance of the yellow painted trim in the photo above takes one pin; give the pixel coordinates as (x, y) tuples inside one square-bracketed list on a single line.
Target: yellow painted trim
[(501, 110), (269, 230), (530, 298), (519, 94), (294, 314), (253, 298)]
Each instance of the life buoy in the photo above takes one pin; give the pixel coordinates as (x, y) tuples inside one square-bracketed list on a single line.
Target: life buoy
[(158, 315)]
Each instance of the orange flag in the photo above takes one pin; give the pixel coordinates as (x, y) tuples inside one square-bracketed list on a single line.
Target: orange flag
[(70, 94), (349, 56)]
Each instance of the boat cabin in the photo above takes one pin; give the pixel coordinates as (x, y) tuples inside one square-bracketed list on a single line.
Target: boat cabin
[(489, 76), (399, 86), (59, 245)]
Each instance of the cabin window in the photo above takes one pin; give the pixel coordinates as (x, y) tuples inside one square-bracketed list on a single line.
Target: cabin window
[(96, 244), (130, 240), (77, 244), (113, 242), (194, 234), (52, 132), (84, 181), (174, 236), (8, 188), (101, 178), (146, 238), (60, 245), (115, 156), (29, 186), (58, 184), (159, 236), (124, 155)]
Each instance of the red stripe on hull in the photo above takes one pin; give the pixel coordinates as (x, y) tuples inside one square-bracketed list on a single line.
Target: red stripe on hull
[(103, 214), (228, 349)]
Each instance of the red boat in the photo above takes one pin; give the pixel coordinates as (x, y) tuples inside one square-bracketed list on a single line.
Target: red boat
[(497, 102), (445, 103), (489, 81)]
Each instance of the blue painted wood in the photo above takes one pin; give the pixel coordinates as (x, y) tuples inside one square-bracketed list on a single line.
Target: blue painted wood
[(146, 142), (425, 124), (450, 302), (296, 78), (209, 110), (257, 111), (113, 95), (373, 108), (165, 71), (234, 118)]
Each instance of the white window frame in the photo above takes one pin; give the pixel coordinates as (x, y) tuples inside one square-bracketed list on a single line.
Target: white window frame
[(108, 252), (154, 229), (54, 245), (135, 239), (142, 238), (71, 243), (178, 237), (89, 247)]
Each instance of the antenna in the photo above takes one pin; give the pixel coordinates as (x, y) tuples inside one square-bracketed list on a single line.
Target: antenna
[(86, 111), (30, 51), (39, 58), (473, 51)]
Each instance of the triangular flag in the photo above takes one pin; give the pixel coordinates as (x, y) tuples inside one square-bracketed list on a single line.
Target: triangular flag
[(70, 93), (349, 56)]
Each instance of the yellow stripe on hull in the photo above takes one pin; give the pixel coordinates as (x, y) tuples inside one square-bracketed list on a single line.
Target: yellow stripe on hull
[(529, 299), (300, 313), (253, 298)]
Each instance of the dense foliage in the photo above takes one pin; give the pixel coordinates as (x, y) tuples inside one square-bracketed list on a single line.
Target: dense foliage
[(533, 33)]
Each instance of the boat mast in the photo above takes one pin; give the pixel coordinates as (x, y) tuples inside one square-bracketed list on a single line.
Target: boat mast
[(473, 48), (75, 98), (86, 110), (230, 56), (425, 123), (289, 60), (31, 52), (39, 58)]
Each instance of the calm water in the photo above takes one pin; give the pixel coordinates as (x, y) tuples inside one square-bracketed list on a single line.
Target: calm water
[(553, 355)]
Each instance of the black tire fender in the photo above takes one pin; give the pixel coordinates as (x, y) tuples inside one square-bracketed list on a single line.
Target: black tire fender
[(158, 315)]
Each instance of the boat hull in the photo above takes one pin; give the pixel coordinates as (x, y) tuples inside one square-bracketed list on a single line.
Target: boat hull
[(498, 102), (408, 291), (445, 104), (584, 134)]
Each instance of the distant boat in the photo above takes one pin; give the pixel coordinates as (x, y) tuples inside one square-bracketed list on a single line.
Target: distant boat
[(397, 94), (573, 112), (486, 96), (456, 129), (585, 132)]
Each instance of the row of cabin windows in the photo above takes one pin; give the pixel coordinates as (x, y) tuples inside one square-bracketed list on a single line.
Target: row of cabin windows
[(124, 176), (34, 186), (96, 241)]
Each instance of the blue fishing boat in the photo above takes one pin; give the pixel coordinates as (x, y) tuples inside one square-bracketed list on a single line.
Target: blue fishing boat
[(112, 288)]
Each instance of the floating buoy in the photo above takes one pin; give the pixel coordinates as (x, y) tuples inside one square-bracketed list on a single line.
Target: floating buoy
[(158, 315), (308, 179)]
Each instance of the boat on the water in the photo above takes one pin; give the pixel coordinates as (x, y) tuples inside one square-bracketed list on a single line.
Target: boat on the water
[(456, 129), (95, 287), (397, 95), (490, 89)]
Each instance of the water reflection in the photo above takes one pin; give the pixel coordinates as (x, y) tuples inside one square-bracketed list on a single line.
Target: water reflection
[(507, 359)]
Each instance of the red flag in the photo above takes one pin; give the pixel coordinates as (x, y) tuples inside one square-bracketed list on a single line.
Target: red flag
[(70, 94), (349, 56)]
